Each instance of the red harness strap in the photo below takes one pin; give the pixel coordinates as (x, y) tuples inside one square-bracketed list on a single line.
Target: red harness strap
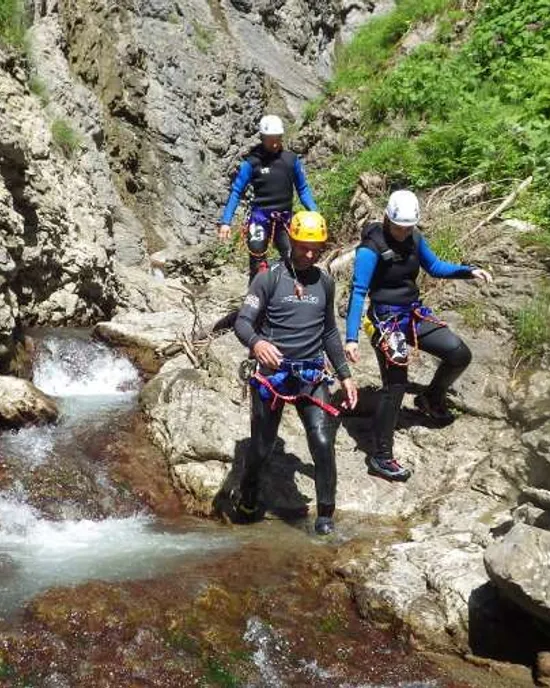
[(292, 399)]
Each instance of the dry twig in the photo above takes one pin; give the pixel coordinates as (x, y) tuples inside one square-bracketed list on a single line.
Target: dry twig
[(506, 203)]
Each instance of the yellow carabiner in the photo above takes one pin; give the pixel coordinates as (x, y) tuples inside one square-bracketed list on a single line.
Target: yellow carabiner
[(368, 326)]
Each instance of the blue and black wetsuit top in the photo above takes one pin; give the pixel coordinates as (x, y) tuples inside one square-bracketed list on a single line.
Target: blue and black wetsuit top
[(273, 177), (387, 270)]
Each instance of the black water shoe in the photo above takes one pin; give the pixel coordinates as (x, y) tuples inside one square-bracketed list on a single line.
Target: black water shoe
[(324, 525)]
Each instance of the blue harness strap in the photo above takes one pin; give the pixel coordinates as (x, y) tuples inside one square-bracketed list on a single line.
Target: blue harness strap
[(289, 382)]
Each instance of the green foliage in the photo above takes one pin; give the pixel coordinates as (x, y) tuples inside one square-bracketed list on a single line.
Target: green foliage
[(39, 88), (374, 43), (218, 675), (65, 138), (445, 241), (447, 111), (532, 326), (13, 23)]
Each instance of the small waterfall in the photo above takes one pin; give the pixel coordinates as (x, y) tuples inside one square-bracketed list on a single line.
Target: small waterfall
[(76, 367), (96, 389)]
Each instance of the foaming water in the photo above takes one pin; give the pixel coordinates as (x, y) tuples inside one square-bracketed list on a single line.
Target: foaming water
[(37, 553), (96, 389), (73, 368)]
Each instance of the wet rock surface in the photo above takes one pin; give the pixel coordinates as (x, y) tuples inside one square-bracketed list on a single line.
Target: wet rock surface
[(263, 616), (21, 403)]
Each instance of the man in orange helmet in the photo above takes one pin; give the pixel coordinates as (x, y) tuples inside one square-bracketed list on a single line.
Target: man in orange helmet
[(287, 321)]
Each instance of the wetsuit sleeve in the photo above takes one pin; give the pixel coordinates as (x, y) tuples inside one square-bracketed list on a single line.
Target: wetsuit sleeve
[(366, 261), (332, 342), (440, 268), (253, 308), (242, 180), (302, 187)]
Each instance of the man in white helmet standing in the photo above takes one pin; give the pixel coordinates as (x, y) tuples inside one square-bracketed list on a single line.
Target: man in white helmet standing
[(273, 173)]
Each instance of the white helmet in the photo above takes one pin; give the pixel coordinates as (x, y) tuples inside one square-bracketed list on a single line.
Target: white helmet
[(271, 125), (403, 208)]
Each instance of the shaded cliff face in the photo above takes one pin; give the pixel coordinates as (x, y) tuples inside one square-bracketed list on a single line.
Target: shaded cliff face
[(180, 87)]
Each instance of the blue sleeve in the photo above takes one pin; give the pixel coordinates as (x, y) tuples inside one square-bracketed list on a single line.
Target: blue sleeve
[(439, 268), (304, 192), (242, 180), (366, 261)]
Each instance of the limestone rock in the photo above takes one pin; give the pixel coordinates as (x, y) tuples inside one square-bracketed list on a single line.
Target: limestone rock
[(189, 420), (540, 498), (531, 516), (202, 480), (156, 331), (530, 403), (518, 565), (22, 403)]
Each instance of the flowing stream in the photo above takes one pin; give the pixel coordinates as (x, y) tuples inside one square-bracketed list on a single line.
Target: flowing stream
[(96, 589)]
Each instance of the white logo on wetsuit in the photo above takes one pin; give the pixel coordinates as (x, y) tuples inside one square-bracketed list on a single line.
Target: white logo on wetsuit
[(265, 170), (256, 232), (306, 298), (252, 300)]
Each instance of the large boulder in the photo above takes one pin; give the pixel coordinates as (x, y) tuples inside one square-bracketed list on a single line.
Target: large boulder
[(22, 403), (518, 565), (189, 419), (155, 331)]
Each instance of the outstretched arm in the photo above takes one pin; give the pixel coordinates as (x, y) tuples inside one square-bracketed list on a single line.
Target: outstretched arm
[(436, 267), (242, 180), (302, 187)]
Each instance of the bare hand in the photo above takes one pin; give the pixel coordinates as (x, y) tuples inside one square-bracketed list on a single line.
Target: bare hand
[(352, 351), (480, 274), (267, 354), (224, 232), (350, 390)]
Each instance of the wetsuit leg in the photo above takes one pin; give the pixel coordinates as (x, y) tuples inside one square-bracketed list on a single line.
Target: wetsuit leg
[(282, 237), (257, 239), (394, 380), (454, 354), (264, 424), (320, 430)]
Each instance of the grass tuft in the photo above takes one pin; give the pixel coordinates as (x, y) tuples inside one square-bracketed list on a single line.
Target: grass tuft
[(532, 326), (65, 138)]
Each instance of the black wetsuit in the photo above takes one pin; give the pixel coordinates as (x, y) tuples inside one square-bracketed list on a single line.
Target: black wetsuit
[(388, 269), (301, 329)]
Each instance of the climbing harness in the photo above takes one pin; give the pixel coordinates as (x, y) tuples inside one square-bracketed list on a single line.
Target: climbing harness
[(395, 331), (284, 385), (276, 219)]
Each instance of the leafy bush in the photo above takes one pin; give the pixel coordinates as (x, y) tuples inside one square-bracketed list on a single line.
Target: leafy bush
[(447, 111)]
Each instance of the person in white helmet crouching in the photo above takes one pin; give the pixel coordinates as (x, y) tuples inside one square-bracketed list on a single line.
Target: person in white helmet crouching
[(273, 173)]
